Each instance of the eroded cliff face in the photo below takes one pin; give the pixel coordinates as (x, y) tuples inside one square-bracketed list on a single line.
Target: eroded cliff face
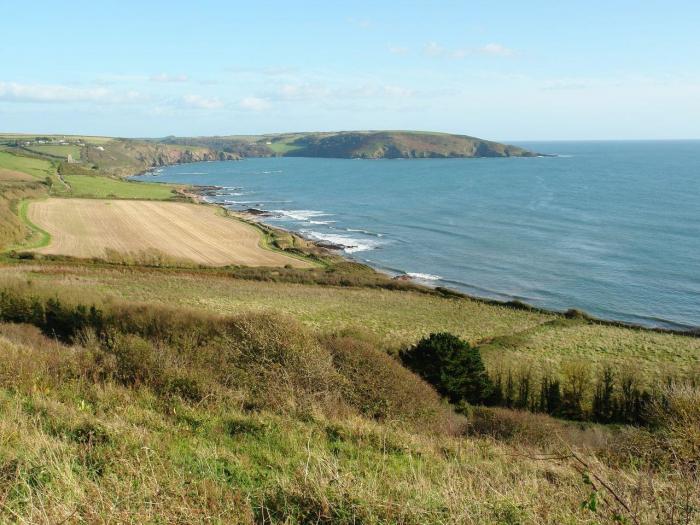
[(125, 157), (166, 155)]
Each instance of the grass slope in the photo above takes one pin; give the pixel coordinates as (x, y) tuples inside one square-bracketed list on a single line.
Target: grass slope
[(182, 417), (37, 168), (37, 237), (100, 187), (60, 151), (509, 338)]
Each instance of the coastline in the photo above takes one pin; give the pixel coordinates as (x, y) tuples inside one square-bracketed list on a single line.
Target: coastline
[(199, 194)]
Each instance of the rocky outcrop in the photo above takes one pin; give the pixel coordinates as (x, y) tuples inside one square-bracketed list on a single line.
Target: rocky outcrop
[(165, 156)]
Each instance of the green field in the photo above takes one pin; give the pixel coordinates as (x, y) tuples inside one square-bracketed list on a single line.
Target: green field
[(55, 150), (509, 337), (99, 187), (185, 416), (88, 139), (37, 237), (35, 167), (282, 147)]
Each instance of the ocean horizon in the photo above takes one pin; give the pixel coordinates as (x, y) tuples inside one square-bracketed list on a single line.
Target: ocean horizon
[(607, 227)]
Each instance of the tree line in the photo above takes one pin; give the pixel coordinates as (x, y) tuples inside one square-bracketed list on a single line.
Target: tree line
[(578, 392), (453, 367)]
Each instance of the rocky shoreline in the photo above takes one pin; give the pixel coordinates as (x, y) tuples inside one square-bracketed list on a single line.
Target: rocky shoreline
[(203, 194)]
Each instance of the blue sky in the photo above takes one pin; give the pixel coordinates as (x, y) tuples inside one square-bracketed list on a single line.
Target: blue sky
[(507, 70)]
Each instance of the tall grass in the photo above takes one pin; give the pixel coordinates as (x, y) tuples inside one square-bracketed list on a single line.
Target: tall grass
[(150, 413)]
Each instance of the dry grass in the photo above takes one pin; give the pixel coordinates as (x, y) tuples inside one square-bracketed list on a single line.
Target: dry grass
[(13, 230), (91, 228), (519, 339), (81, 442), (15, 176)]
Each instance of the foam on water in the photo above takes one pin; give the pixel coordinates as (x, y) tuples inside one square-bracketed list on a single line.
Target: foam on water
[(423, 276), (301, 215), (350, 244)]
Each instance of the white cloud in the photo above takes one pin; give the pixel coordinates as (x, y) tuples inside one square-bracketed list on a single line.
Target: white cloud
[(57, 93), (496, 50), (397, 92), (433, 49), (318, 92), (362, 23), (273, 71), (200, 102), (117, 78), (165, 77), (255, 104), (398, 50), (303, 91)]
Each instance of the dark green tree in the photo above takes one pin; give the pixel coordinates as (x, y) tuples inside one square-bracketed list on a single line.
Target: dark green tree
[(604, 409), (452, 366)]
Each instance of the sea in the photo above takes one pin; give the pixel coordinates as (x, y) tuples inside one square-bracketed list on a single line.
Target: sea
[(610, 228)]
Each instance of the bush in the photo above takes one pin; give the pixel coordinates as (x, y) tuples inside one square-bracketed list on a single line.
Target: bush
[(136, 360), (453, 367), (378, 386), (278, 362)]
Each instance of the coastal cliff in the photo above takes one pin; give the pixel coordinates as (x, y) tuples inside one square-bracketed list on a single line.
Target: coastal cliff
[(355, 144), (392, 144), (125, 157)]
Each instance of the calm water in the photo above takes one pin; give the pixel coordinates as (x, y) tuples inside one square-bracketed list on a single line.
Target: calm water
[(612, 228)]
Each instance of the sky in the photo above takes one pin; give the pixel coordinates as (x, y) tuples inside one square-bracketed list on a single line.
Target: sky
[(507, 70)]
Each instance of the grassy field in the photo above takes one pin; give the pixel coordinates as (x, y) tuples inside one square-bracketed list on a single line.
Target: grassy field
[(57, 150), (13, 229), (509, 337), (181, 231), (37, 168), (88, 139), (7, 175), (104, 187), (36, 237), (20, 178), (177, 417), (281, 147)]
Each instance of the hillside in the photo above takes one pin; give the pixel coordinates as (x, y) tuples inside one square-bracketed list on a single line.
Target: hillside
[(107, 156), (393, 144), (123, 157), (141, 388), (127, 156), (357, 144), (142, 395)]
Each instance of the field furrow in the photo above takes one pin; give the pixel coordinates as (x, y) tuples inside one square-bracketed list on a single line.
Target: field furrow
[(182, 231)]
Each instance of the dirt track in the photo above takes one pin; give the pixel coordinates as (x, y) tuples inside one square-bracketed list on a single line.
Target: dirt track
[(92, 228)]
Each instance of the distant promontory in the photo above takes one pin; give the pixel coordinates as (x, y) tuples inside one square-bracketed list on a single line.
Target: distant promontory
[(355, 144)]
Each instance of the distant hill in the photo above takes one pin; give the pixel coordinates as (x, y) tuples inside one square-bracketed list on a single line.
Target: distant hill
[(356, 144), (127, 156), (124, 157)]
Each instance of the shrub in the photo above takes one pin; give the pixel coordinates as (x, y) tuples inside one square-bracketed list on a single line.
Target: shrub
[(676, 417), (453, 367), (378, 386), (136, 360), (278, 362)]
